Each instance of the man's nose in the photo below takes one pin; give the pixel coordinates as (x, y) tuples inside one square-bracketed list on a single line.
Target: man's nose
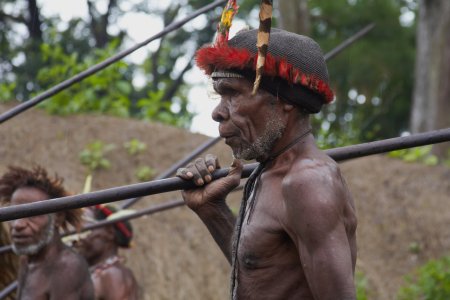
[(221, 112), (19, 224)]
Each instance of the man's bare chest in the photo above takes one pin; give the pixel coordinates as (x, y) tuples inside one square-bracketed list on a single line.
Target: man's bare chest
[(263, 239)]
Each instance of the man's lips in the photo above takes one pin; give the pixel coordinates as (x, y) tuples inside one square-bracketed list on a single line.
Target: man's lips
[(229, 139), (226, 134), (20, 239)]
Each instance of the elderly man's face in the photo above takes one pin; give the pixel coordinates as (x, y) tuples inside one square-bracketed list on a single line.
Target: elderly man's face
[(30, 235), (249, 124)]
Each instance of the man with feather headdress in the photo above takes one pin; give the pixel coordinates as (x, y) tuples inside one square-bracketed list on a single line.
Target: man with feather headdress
[(294, 237)]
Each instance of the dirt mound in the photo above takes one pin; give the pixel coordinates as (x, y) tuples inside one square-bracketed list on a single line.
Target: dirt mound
[(401, 207)]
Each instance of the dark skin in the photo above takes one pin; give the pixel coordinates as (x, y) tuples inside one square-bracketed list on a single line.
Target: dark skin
[(55, 271), (115, 282), (300, 242)]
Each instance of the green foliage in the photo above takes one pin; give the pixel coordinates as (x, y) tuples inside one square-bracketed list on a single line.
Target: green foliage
[(154, 108), (417, 154), (372, 78), (362, 286), (7, 91), (93, 155), (107, 92), (64, 48), (429, 282), (145, 173), (135, 146)]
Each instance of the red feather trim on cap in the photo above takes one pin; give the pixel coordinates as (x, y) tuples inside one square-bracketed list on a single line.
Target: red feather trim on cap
[(224, 58), (120, 225)]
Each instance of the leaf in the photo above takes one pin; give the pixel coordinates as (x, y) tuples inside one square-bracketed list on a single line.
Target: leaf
[(124, 87)]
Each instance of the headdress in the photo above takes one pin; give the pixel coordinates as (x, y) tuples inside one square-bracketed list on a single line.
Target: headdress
[(123, 230), (294, 67)]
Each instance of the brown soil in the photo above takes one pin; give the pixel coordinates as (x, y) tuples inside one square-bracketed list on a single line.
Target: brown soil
[(401, 207)]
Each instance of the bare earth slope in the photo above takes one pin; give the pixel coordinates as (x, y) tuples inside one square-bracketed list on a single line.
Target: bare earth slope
[(400, 206)]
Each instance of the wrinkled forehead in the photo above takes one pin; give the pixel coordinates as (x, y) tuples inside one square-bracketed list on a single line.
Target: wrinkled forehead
[(28, 194)]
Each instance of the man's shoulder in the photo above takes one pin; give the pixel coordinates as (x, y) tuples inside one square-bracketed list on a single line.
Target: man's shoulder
[(116, 272), (71, 260), (117, 276), (312, 179), (311, 170)]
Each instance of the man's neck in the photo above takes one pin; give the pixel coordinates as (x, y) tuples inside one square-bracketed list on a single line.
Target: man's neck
[(296, 136), (109, 252), (48, 252)]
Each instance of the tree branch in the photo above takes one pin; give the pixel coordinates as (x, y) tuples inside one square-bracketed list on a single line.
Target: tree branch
[(19, 19)]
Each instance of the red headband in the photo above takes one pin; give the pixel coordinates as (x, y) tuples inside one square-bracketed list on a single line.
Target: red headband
[(120, 225)]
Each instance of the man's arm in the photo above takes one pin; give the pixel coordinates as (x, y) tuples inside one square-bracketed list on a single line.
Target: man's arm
[(71, 279), (220, 223), (315, 199), (208, 201)]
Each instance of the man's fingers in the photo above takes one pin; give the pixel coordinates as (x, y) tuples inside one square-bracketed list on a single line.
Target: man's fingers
[(203, 174), (184, 173), (211, 162), (200, 171)]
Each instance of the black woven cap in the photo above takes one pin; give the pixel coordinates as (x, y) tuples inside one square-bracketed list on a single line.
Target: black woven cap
[(299, 50), (302, 52)]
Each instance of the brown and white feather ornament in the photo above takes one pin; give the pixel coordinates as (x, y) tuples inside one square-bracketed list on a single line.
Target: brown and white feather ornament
[(265, 23)]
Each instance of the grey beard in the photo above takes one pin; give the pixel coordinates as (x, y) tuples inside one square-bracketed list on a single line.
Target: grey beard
[(35, 248), (264, 143)]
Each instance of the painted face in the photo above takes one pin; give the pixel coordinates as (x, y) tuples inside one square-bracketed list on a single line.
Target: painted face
[(250, 124), (31, 235)]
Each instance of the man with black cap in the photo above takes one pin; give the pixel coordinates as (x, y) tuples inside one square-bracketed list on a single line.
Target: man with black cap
[(294, 237), (112, 279)]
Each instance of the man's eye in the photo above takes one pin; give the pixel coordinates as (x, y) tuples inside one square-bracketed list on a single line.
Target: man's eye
[(230, 92)]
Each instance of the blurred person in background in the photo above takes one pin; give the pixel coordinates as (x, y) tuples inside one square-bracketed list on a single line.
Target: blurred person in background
[(112, 279), (48, 268)]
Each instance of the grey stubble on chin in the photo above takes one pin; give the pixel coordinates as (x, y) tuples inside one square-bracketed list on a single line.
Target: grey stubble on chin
[(261, 147)]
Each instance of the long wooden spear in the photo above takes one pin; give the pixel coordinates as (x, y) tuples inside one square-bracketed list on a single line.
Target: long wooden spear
[(173, 184), (143, 212), (9, 289), (147, 211)]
